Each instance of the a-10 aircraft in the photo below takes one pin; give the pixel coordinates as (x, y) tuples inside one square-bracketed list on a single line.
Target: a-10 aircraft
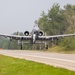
[(35, 36)]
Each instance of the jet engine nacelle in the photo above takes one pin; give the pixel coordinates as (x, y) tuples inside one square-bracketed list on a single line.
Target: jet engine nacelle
[(41, 33), (26, 33)]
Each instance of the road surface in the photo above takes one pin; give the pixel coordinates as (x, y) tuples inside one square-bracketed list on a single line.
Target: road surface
[(55, 59)]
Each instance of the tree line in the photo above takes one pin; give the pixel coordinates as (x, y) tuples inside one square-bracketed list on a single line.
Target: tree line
[(59, 21)]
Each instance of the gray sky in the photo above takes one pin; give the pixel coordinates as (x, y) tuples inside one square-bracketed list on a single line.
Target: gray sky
[(19, 15)]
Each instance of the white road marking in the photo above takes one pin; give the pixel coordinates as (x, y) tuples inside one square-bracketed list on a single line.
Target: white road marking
[(50, 58)]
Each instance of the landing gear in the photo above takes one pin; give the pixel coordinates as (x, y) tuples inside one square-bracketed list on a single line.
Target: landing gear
[(21, 44), (21, 47), (46, 45)]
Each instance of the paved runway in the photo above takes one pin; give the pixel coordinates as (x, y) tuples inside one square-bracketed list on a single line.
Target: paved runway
[(58, 60)]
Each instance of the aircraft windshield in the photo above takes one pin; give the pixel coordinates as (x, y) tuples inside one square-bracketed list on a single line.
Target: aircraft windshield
[(36, 27)]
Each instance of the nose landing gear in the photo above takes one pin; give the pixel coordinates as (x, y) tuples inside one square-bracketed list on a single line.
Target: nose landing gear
[(46, 45)]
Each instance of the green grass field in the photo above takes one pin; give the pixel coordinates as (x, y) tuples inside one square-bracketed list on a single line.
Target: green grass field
[(15, 66)]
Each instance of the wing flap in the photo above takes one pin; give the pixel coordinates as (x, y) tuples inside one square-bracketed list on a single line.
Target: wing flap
[(54, 36)]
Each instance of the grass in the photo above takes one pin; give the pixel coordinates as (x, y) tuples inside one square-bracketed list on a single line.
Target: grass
[(57, 49), (15, 66)]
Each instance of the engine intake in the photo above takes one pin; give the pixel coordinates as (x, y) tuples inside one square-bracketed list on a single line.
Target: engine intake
[(26, 33), (41, 33)]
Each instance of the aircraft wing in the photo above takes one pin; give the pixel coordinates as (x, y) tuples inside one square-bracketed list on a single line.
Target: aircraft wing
[(55, 36), (16, 37)]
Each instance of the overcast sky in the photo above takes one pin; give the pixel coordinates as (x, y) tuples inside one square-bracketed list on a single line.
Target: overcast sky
[(19, 15)]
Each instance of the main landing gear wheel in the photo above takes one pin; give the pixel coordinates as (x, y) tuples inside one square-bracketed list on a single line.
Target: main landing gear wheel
[(21, 47), (46, 46)]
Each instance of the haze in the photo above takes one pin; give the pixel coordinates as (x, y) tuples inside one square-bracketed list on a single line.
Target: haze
[(19, 15)]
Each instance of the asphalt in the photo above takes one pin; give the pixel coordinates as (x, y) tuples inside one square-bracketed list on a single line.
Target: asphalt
[(55, 59)]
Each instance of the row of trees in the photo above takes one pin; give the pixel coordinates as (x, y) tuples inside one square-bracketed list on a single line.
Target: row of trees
[(59, 21)]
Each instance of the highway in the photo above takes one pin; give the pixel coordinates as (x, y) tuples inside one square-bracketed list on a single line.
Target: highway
[(55, 59)]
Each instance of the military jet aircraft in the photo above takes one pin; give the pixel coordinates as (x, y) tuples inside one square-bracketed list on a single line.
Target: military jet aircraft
[(35, 36)]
